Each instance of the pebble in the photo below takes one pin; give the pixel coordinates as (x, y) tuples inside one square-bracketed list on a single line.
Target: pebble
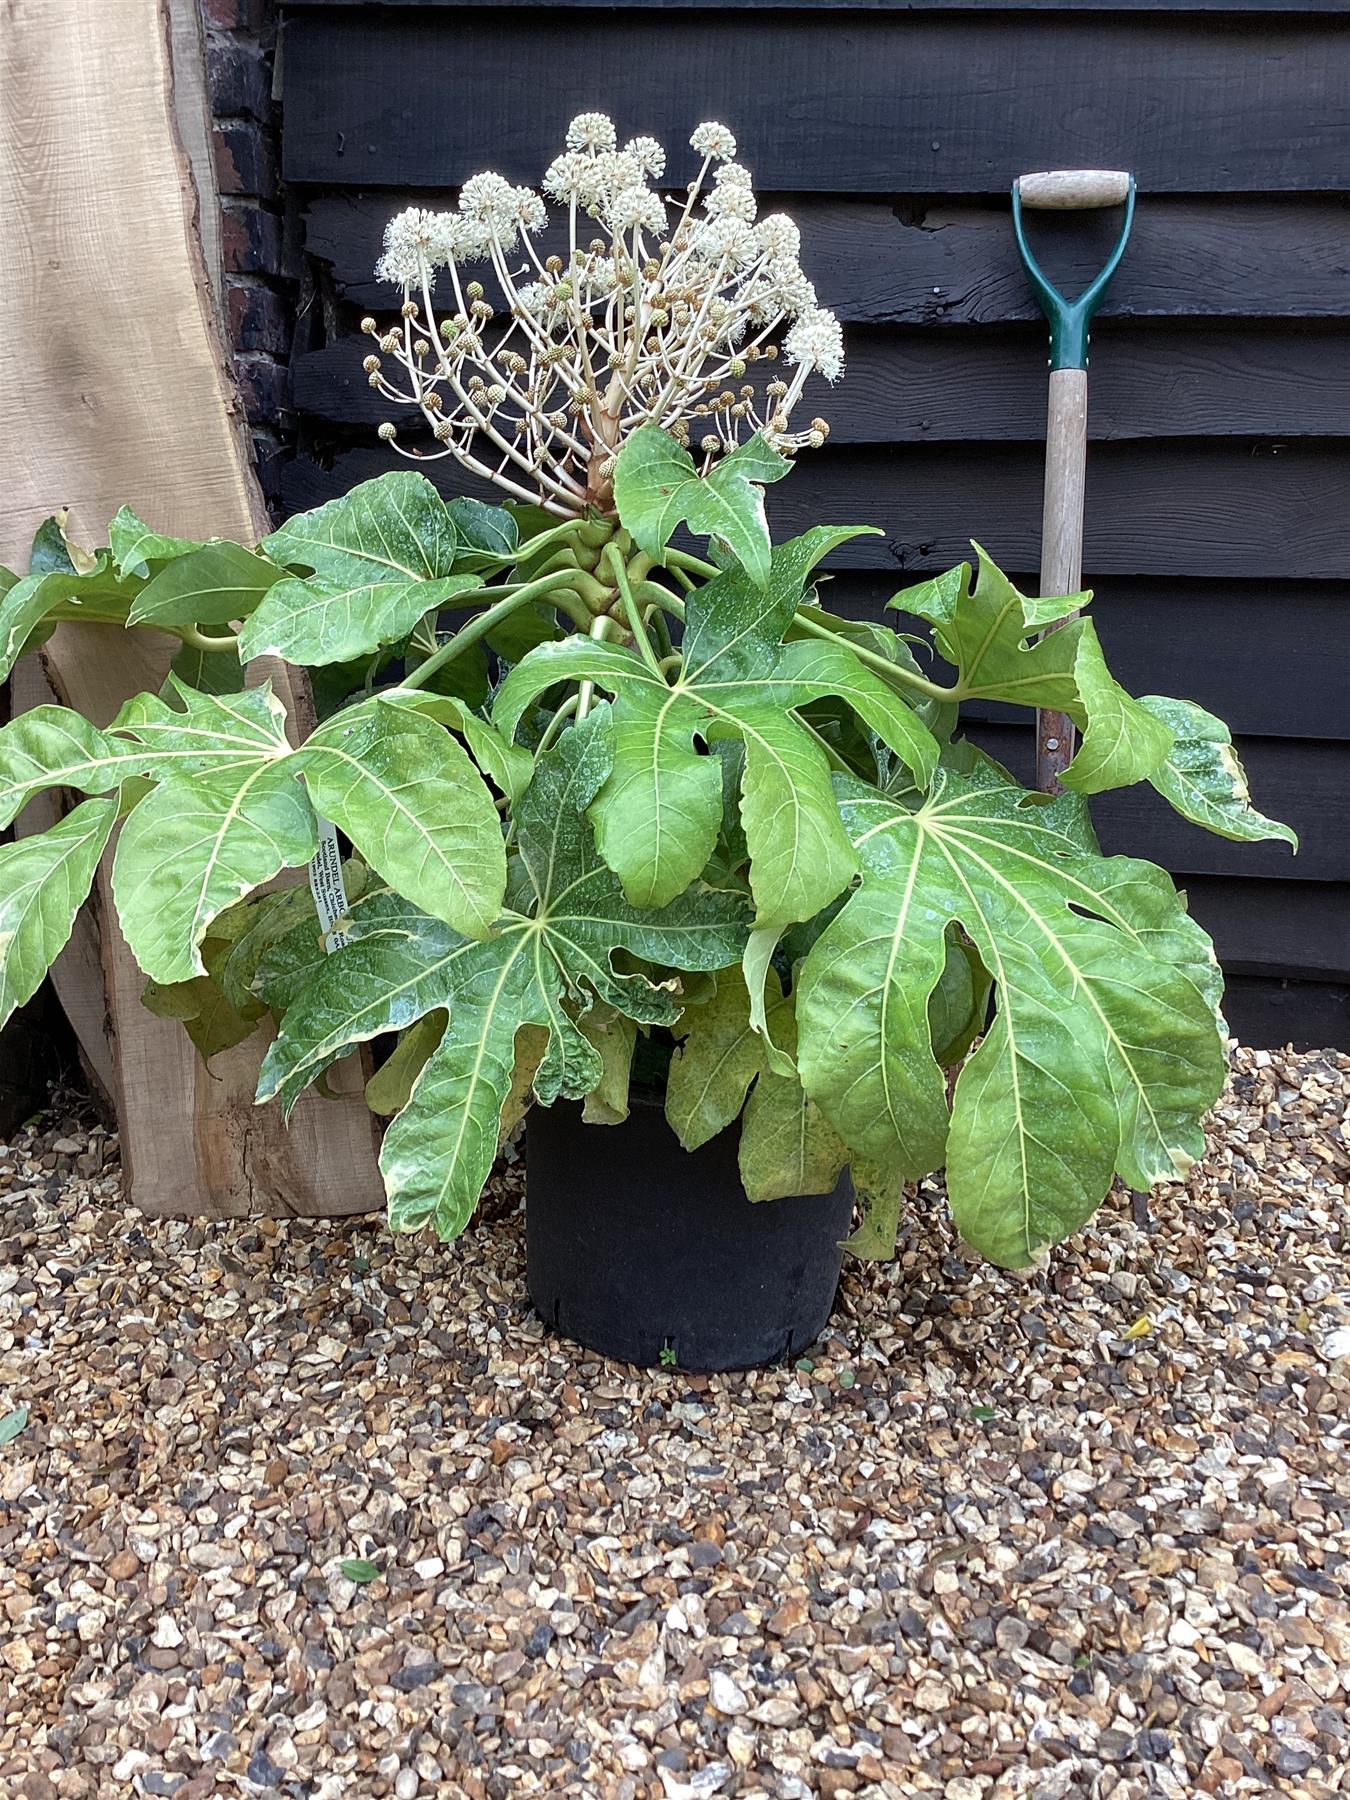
[(1017, 1553)]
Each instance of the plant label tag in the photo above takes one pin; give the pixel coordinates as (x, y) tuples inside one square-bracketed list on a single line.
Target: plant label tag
[(326, 885)]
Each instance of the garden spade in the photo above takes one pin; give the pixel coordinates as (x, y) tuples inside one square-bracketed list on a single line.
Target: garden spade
[(1066, 190)]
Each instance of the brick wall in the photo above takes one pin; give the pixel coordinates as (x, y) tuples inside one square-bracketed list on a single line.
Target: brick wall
[(260, 267)]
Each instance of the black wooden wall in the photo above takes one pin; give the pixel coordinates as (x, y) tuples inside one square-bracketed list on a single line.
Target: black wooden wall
[(1218, 480)]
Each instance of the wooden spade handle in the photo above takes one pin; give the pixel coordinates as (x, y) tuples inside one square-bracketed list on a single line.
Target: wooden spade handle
[(1062, 542), (1070, 190)]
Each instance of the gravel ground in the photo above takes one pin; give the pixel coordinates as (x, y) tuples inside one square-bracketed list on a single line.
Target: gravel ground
[(1082, 1533)]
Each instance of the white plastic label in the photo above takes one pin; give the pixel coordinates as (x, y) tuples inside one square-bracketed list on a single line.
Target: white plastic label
[(326, 885)]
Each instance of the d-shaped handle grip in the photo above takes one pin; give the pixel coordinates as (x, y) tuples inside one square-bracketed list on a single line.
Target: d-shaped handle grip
[(1072, 190)]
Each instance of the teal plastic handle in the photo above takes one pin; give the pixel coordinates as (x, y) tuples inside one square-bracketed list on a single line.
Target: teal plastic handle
[(1070, 319)]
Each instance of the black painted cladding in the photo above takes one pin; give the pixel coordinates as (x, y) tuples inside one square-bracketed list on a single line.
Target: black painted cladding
[(1218, 474)]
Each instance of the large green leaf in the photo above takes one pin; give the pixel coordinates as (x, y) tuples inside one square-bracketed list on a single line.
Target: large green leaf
[(508, 766), (322, 621), (197, 844), (393, 529), (1105, 1049), (135, 548), (413, 804), (488, 535), (390, 1087), (786, 1146), (719, 1056), (208, 671), (212, 585), (550, 957), (1202, 777), (657, 817), (39, 600), (43, 883), (189, 731), (657, 487), (1123, 742), (613, 1038), (984, 628), (51, 746)]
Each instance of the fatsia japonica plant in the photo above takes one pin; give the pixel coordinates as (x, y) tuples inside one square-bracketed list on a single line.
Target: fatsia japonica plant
[(641, 808)]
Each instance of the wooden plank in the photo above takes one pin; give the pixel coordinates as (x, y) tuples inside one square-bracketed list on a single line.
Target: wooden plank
[(911, 262), (1269, 1014), (917, 387), (886, 103), (1285, 928), (1202, 508), (1301, 782), (142, 411)]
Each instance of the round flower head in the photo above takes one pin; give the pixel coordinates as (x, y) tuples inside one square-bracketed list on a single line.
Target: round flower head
[(530, 212), (714, 140), (637, 206), (542, 372), (727, 239), (649, 155), (777, 235), (816, 341), (731, 203), (488, 198), (466, 239), (732, 174), (566, 175), (792, 292), (591, 131), (415, 242)]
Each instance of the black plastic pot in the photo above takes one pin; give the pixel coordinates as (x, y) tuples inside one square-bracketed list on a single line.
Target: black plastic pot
[(636, 1246)]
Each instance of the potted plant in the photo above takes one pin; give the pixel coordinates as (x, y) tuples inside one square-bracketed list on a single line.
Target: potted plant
[(652, 840)]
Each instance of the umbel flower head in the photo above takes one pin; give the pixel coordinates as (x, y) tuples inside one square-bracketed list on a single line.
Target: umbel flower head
[(693, 314)]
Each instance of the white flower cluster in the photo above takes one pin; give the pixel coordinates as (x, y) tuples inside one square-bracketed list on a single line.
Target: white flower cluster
[(661, 317)]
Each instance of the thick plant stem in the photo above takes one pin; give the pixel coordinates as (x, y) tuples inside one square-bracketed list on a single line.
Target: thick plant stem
[(836, 760), (680, 559), (547, 540), (476, 629), (655, 595), (931, 690), (630, 607), (556, 723), (198, 640), (586, 692)]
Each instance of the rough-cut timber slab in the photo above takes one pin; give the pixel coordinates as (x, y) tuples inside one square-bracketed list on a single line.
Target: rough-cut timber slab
[(116, 391), (908, 261), (882, 103)]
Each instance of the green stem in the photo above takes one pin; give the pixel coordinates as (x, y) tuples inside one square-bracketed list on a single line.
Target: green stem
[(680, 559), (674, 661), (198, 640), (556, 723), (558, 587), (931, 690), (658, 596), (478, 628), (586, 693), (547, 539), (836, 760), (630, 607)]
